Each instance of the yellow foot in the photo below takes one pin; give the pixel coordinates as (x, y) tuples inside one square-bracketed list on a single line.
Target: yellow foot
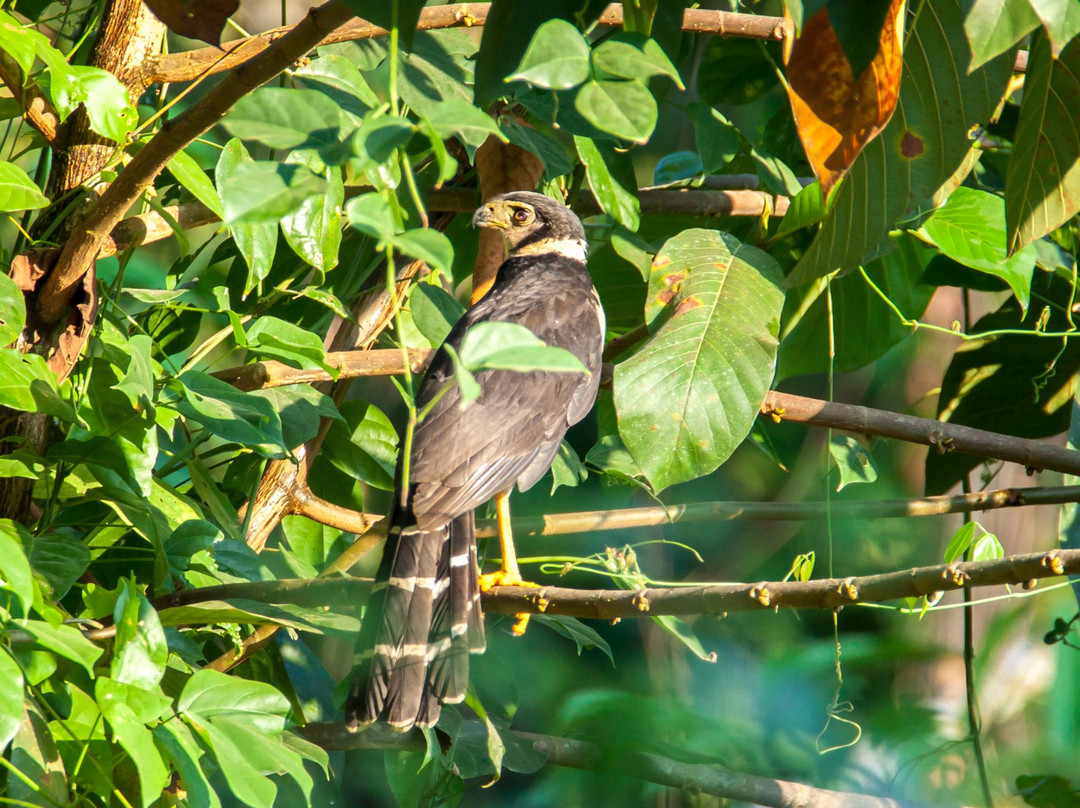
[(508, 578)]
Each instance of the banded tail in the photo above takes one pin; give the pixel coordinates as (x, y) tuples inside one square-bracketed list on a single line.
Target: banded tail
[(421, 623)]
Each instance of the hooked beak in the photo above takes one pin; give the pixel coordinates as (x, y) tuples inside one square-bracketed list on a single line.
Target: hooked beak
[(491, 216)]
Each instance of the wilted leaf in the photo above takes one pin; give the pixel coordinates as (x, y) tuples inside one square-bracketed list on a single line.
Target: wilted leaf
[(691, 394), (838, 113)]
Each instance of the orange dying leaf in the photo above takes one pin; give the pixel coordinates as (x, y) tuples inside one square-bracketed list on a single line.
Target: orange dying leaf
[(837, 115)]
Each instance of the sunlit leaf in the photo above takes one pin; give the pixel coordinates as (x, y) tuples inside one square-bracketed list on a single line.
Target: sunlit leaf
[(556, 59)]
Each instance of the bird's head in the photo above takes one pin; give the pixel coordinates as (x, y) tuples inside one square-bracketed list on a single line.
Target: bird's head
[(532, 224)]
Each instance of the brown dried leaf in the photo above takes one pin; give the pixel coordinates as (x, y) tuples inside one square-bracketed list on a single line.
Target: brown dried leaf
[(836, 114), (195, 19), (501, 168)]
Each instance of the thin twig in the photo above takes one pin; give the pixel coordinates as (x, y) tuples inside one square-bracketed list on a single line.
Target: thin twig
[(652, 768), (37, 111)]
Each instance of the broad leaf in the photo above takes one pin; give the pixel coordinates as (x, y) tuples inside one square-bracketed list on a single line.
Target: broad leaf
[(1042, 182), (226, 411), (611, 195), (314, 229), (11, 698), (557, 57), (969, 228), (190, 174), (257, 242), (209, 693), (66, 641), (994, 26), (508, 346), (141, 651), (262, 192), (365, 446), (625, 109), (18, 192), (284, 118), (691, 394), (632, 56)]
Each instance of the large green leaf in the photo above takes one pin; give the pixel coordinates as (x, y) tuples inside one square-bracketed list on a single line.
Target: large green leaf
[(625, 109), (19, 373), (1018, 385), (691, 394), (284, 118), (970, 229), (226, 411), (132, 734), (18, 191), (65, 640), (898, 173), (365, 446), (1060, 18), (209, 693), (556, 59), (14, 566), (141, 651), (185, 754), (994, 26), (12, 310), (509, 346), (11, 698), (190, 174), (257, 242), (314, 229), (1042, 182), (632, 56), (613, 198), (264, 192)]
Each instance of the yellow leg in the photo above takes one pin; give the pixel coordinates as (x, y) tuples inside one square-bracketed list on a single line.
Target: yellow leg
[(508, 574)]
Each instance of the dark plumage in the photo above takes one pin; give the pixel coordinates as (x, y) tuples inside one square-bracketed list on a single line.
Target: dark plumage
[(424, 616)]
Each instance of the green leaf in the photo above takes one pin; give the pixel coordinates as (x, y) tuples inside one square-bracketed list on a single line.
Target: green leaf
[(924, 146), (690, 395), (138, 742), (256, 242), (185, 754), (14, 566), (108, 105), (402, 14), (634, 57), (987, 548), (209, 694), (59, 559), (1042, 181), (277, 338), (262, 192), (716, 139), (460, 118), (314, 229), (1061, 19), (365, 446), (11, 698), (678, 168), (372, 214), (286, 118), (434, 311), (340, 80), (226, 411), (190, 174), (34, 753), (509, 346), (12, 310), (247, 783), (585, 637), (241, 611), (18, 372), (556, 59), (970, 228), (430, 246), (567, 468), (854, 462), (381, 135), (18, 192), (138, 381), (994, 26), (610, 194), (960, 542), (680, 629), (20, 43), (300, 408), (141, 651), (626, 109), (67, 641)]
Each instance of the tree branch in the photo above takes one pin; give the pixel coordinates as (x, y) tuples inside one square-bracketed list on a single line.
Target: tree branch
[(37, 111), (93, 232), (616, 604), (944, 436), (207, 61), (826, 593), (652, 768)]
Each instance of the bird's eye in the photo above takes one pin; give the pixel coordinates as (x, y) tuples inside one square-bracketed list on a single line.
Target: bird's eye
[(521, 216)]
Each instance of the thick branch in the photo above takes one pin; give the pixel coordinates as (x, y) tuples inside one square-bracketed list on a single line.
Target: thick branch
[(944, 436), (205, 61), (615, 604), (827, 593), (652, 768), (86, 243), (349, 364)]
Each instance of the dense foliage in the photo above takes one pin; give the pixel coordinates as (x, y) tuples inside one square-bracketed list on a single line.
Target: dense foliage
[(196, 438)]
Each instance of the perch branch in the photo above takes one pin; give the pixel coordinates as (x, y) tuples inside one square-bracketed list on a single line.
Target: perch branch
[(944, 436), (616, 604), (93, 232), (826, 593), (205, 61), (652, 768)]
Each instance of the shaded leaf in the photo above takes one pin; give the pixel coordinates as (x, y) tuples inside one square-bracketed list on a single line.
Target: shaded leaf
[(314, 229), (226, 411), (556, 59), (853, 461), (1042, 181), (613, 198), (256, 242), (190, 174), (365, 447), (67, 641), (625, 109), (263, 192), (434, 311), (585, 637)]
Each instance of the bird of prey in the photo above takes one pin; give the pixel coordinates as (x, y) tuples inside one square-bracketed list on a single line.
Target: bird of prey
[(424, 618)]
